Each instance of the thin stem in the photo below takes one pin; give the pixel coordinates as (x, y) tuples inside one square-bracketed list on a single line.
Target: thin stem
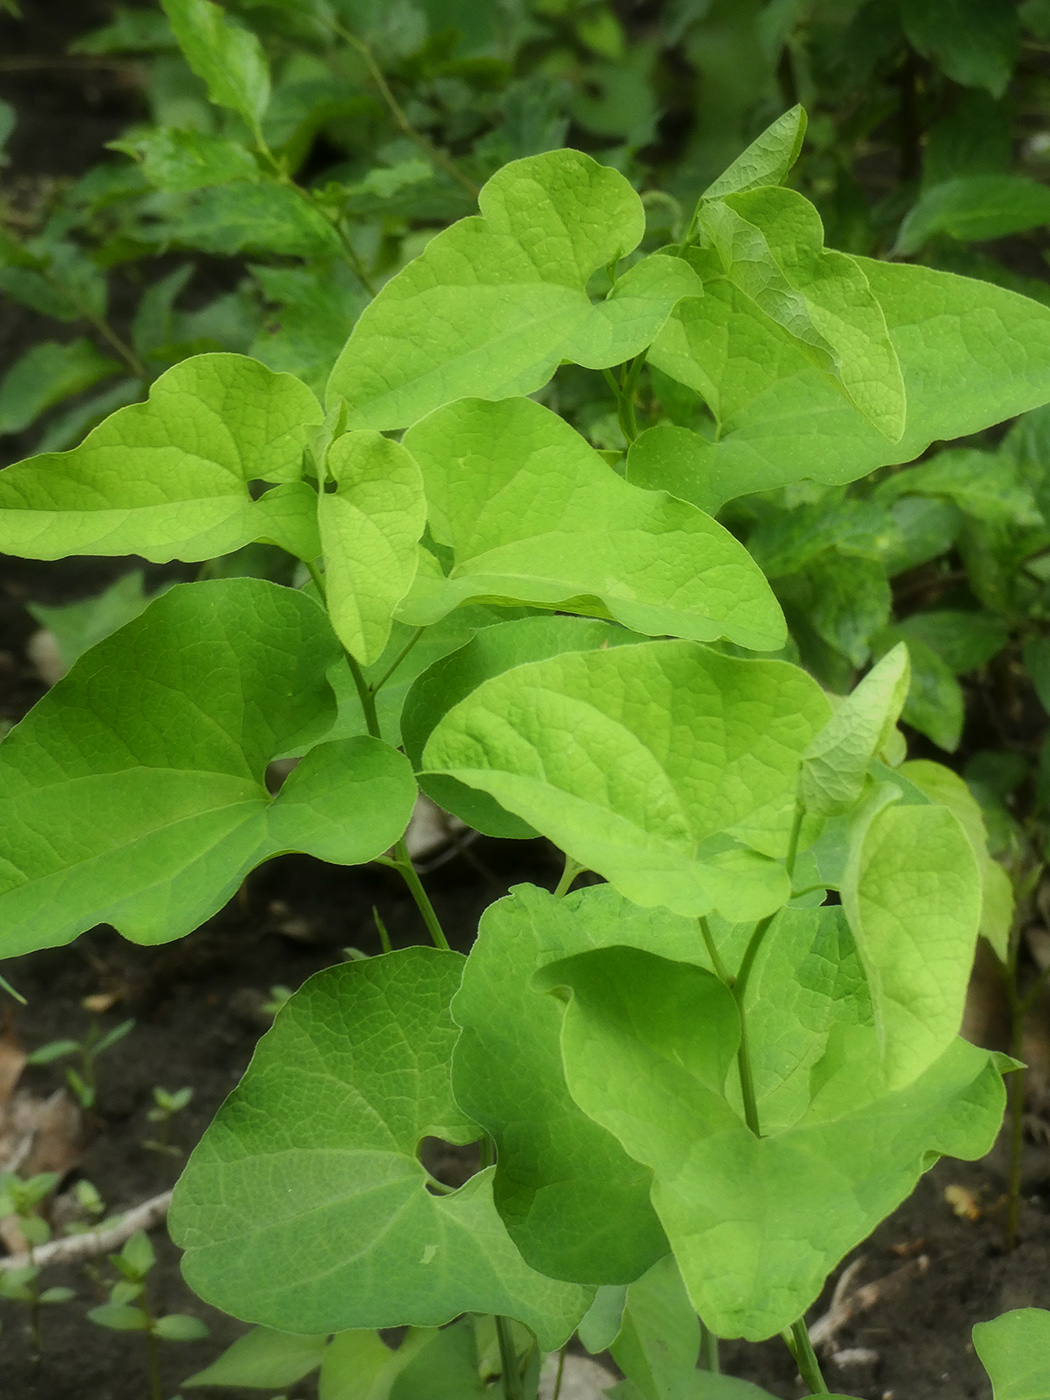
[(364, 694), (407, 871), (397, 112), (712, 952), (708, 1350), (156, 1390), (561, 1371), (381, 682), (572, 869), (801, 1348), (316, 579), (750, 953), (512, 1387), (796, 829)]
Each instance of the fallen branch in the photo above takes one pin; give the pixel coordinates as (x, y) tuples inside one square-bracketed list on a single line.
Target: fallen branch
[(846, 1305), (72, 1248)]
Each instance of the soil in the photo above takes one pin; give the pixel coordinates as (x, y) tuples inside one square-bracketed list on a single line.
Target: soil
[(197, 1004)]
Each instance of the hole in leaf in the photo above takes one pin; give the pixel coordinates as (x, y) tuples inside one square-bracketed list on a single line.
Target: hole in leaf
[(448, 1164)]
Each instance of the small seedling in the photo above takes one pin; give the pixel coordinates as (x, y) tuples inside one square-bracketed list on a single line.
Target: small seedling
[(164, 1109), (82, 1080), (20, 1198), (128, 1310)]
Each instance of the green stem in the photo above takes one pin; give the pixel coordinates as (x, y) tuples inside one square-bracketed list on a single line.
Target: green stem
[(719, 966), (381, 682), (156, 1390), (796, 829), (403, 864), (750, 953), (364, 694), (743, 1055), (708, 1350), (512, 1387), (572, 869), (397, 112), (561, 1372), (801, 1348)]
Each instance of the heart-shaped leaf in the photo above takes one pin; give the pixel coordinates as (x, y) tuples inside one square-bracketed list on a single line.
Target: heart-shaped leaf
[(305, 1202), (636, 760), (493, 303), (170, 478), (533, 515), (133, 792)]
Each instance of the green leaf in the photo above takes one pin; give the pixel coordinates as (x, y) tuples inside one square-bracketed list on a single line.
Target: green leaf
[(972, 42), (305, 1204), (941, 785), (533, 515), (849, 602), (835, 764), (133, 793), (971, 354), (963, 640), (369, 528), (47, 374), (771, 246), (446, 1367), (256, 218), (317, 309), (493, 303), (755, 1223), (767, 160), (78, 626), (119, 1318), (229, 59), (986, 485), (170, 478), (912, 895), (138, 1257), (263, 1359), (574, 1204), (659, 1339), (179, 1327), (188, 160), (602, 1320), (1014, 1349), (974, 207), (935, 704), (451, 679), (671, 745)]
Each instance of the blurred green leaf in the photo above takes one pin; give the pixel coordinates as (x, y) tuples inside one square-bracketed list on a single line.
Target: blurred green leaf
[(975, 207), (47, 374)]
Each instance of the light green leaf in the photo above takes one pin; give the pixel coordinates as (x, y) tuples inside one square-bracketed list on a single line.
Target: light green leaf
[(305, 1203), (971, 354), (179, 1327), (257, 218), (574, 1204), (47, 374), (169, 478), (600, 1324), (973, 42), (963, 640), (493, 303), (119, 1317), (771, 246), (369, 528), (935, 704), (767, 160), (533, 515), (671, 744), (1014, 1349), (912, 895), (229, 58), (451, 679), (755, 1223), (835, 764), (188, 160), (659, 1339), (263, 1359), (849, 602), (133, 793), (941, 785)]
